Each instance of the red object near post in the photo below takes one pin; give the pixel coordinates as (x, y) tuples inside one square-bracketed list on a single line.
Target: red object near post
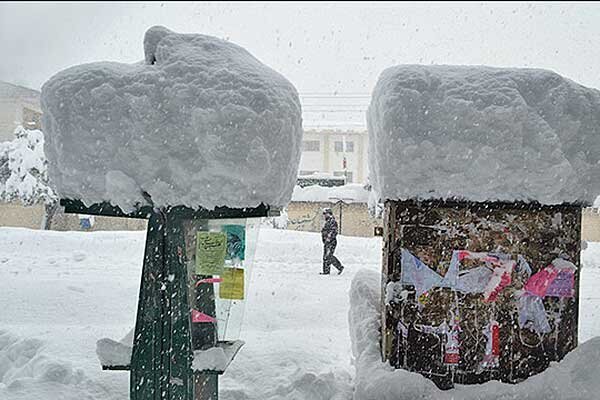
[(495, 339)]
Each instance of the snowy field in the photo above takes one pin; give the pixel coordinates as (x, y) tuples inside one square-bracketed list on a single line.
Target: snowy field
[(60, 292)]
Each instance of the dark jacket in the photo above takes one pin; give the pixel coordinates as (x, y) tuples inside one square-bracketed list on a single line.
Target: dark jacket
[(330, 230)]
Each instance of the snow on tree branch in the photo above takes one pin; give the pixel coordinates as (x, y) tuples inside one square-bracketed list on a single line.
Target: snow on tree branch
[(23, 169)]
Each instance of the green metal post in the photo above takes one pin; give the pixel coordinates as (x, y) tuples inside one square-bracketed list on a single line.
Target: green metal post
[(161, 365), (178, 338), (145, 375)]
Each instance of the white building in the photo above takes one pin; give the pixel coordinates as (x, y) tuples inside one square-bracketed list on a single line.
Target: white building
[(323, 151), (334, 129), (18, 106)]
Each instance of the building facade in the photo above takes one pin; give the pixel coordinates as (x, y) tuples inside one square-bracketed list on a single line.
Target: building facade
[(324, 151), (18, 106)]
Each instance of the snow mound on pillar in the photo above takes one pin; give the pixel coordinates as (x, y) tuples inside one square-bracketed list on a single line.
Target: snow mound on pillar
[(572, 378), (480, 133), (200, 123)]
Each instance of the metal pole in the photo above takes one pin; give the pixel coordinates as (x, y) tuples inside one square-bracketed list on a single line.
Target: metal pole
[(341, 206)]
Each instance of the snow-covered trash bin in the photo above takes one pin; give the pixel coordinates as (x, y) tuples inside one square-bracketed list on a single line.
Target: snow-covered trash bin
[(572, 378), (484, 173), (203, 140), (200, 123)]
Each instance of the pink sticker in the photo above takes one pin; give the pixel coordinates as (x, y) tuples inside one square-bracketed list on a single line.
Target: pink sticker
[(539, 282), (197, 316), (209, 280)]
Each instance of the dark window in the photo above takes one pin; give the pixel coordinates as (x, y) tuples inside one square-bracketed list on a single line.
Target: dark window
[(311, 145)]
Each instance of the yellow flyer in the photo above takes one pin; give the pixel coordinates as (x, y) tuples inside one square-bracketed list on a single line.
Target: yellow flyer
[(232, 286)]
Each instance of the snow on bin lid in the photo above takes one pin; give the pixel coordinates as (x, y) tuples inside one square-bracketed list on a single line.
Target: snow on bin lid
[(200, 123), (480, 133)]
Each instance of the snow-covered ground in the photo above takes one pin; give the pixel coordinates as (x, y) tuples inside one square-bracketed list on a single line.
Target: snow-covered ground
[(62, 291)]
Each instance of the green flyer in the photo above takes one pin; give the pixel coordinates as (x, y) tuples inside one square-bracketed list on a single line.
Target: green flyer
[(211, 248), (236, 241)]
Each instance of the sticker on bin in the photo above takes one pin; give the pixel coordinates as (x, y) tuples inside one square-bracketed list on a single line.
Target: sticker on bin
[(198, 316), (209, 280), (236, 242), (211, 248), (232, 286)]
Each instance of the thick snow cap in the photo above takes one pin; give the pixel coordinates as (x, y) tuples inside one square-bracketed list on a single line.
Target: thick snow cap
[(200, 123), (480, 133)]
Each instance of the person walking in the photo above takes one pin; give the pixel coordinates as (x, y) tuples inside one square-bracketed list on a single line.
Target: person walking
[(329, 237)]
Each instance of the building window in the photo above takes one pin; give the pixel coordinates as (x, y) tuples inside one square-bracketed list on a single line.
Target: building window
[(310, 145), (338, 147)]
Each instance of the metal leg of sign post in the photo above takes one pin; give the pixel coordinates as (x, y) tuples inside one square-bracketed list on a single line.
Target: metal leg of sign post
[(165, 339), (145, 362), (207, 386), (161, 359), (204, 335), (178, 344)]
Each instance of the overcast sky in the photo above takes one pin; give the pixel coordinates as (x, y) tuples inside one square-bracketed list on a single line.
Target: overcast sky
[(319, 47)]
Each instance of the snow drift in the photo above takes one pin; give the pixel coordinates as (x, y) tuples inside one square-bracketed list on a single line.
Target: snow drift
[(480, 133), (24, 364), (572, 378), (201, 122)]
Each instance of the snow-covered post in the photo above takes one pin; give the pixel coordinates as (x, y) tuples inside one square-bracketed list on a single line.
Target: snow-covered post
[(23, 172), (484, 173), (202, 140)]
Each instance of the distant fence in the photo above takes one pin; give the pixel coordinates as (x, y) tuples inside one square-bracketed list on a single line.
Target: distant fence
[(355, 219), (303, 216)]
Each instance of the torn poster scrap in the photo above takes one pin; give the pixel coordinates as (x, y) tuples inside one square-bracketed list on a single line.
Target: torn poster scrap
[(415, 272), (557, 279), (532, 314), (489, 279)]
